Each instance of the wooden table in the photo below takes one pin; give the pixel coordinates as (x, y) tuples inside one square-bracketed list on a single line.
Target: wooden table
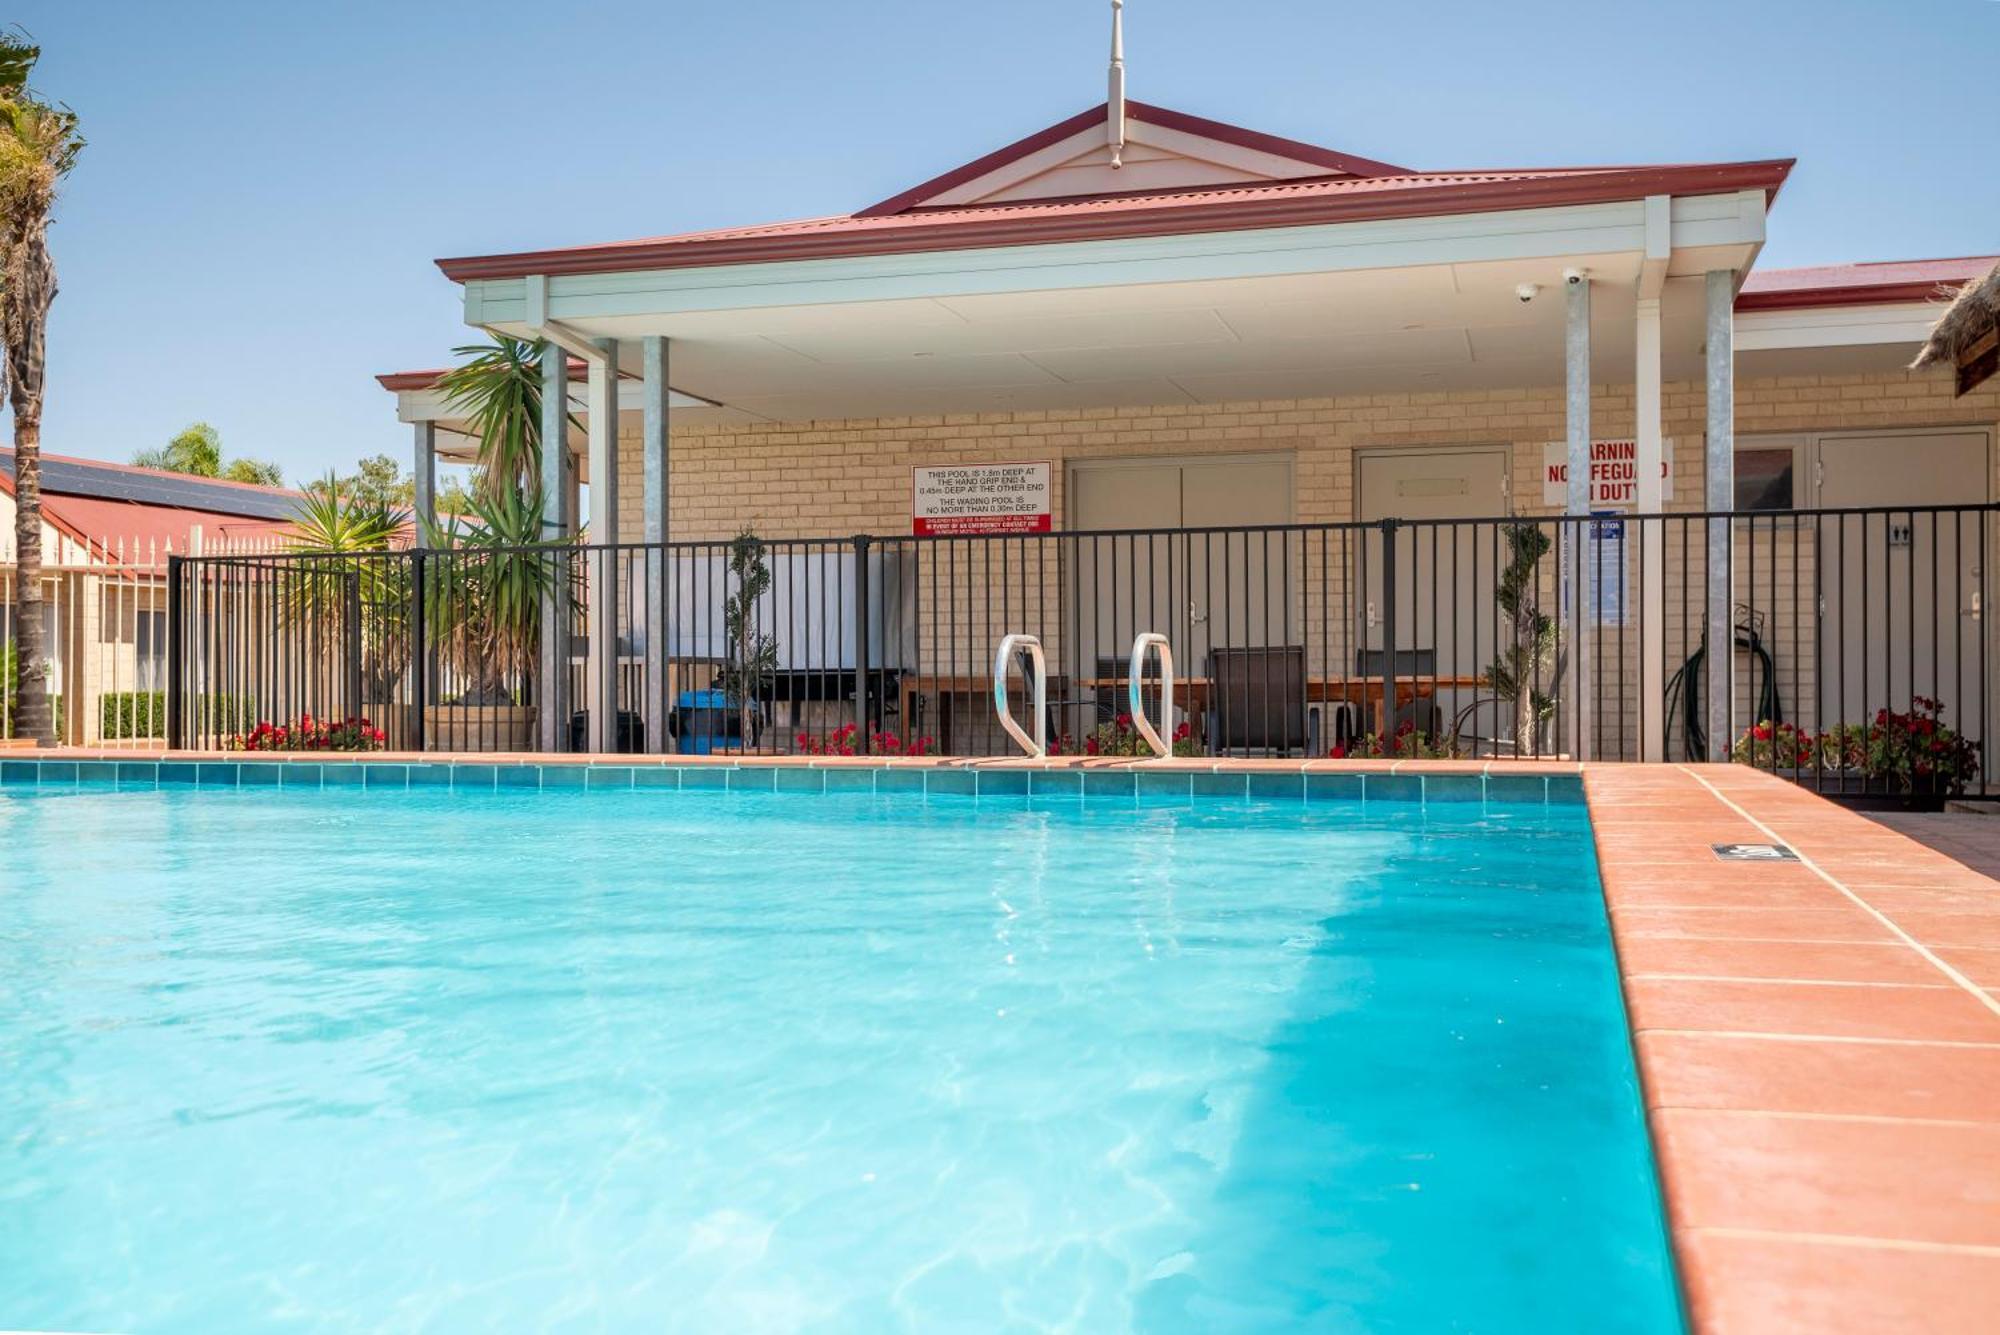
[(944, 686), (1191, 694)]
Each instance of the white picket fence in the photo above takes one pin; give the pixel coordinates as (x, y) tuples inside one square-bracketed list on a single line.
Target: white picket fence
[(104, 618)]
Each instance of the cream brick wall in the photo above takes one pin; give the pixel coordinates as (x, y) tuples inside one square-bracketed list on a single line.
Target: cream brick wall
[(834, 478)]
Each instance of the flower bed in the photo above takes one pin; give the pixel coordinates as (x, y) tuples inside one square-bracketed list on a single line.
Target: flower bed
[(310, 734), (1914, 753), (845, 741), (1121, 737)]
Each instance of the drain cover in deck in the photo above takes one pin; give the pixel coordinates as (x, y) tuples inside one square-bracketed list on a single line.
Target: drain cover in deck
[(1754, 853)]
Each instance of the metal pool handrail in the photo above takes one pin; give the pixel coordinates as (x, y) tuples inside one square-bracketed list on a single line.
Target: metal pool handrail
[(1137, 701), (1003, 659)]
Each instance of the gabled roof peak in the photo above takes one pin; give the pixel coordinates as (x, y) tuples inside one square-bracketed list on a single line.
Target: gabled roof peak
[(1161, 150)]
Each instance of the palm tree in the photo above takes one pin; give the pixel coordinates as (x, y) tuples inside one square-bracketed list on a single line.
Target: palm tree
[(499, 389), (39, 143)]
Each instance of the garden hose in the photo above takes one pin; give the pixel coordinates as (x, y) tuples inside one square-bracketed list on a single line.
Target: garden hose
[(1685, 694)]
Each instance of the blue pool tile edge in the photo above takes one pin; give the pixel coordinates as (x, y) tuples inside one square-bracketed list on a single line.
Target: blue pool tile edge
[(1125, 784)]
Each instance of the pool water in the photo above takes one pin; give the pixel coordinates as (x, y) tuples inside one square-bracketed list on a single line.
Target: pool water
[(353, 1060)]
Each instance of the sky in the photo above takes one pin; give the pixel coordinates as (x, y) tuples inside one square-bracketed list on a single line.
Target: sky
[(248, 238)]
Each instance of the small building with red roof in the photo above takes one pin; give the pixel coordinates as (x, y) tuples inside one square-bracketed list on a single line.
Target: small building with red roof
[(107, 531)]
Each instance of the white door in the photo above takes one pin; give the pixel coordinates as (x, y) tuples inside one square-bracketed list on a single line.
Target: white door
[(1900, 592), (1243, 586), (1197, 588), (1444, 573)]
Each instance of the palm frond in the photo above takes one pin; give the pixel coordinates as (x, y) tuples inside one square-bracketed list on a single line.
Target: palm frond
[(499, 390)]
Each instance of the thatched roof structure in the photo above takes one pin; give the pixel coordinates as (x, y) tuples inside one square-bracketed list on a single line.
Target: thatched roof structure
[(1967, 335)]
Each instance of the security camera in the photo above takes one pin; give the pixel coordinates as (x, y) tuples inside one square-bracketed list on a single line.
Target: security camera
[(1526, 291), (1573, 276)]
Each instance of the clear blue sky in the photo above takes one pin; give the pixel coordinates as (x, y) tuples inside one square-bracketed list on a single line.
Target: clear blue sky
[(249, 237)]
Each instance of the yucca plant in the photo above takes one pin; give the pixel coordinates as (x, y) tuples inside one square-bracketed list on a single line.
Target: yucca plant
[(499, 390), (342, 536), (485, 589)]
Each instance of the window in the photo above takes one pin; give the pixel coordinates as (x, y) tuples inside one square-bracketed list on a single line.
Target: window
[(1764, 479), (151, 635)]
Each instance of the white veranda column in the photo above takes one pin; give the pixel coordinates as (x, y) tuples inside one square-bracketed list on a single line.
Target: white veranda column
[(425, 465), (601, 423), (1721, 472), (556, 479), (1651, 500), (1574, 611), (656, 442)]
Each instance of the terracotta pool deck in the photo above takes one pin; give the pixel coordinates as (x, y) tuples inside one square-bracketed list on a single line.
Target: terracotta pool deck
[(1818, 1040)]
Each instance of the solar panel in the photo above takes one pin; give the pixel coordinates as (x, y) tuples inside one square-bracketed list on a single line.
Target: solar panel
[(64, 477)]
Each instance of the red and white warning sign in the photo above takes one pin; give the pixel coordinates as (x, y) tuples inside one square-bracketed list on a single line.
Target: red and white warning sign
[(980, 498), (1614, 473)]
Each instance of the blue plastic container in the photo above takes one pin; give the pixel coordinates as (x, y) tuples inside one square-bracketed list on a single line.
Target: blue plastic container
[(703, 718)]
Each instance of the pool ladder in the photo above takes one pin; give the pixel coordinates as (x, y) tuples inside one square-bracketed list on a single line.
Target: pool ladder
[(1038, 678), (1037, 746)]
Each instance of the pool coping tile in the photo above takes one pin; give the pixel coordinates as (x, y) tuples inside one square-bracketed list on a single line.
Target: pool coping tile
[(1821, 1086)]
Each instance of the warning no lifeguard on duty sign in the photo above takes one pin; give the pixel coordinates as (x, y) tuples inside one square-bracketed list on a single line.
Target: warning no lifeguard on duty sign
[(980, 498), (1614, 473)]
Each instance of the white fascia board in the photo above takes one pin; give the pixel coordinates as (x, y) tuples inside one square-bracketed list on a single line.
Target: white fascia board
[(1554, 233), (427, 405), (1717, 220), (1835, 326), (1575, 232)]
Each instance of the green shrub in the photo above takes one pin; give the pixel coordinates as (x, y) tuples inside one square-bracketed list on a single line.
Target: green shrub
[(125, 715)]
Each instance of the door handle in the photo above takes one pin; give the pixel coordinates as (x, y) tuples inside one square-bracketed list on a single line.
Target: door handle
[(1195, 614), (1372, 619)]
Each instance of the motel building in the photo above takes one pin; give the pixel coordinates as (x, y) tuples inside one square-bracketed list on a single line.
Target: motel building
[(1141, 321)]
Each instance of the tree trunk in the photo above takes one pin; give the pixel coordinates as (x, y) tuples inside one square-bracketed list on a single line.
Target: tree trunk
[(32, 719), (30, 288)]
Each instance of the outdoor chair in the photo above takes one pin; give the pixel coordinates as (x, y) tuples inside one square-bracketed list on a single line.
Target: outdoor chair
[(1257, 702)]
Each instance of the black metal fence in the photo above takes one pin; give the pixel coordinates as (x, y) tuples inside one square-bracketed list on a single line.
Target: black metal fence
[(1520, 636)]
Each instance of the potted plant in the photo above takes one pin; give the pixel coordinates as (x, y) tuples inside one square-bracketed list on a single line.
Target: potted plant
[(1909, 759), (751, 663), (1527, 652), (487, 581), (1927, 761)]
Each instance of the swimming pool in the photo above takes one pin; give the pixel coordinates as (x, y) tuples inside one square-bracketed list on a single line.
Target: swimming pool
[(439, 1059)]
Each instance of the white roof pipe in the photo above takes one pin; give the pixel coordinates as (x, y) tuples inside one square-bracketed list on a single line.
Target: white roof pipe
[(1114, 113)]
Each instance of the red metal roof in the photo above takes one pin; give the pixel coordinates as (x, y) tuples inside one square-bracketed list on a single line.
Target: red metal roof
[(1352, 189), (394, 380), (1860, 284), (108, 522), (101, 522), (1223, 208)]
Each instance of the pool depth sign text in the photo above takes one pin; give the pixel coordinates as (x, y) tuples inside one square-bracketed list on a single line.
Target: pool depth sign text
[(980, 498)]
